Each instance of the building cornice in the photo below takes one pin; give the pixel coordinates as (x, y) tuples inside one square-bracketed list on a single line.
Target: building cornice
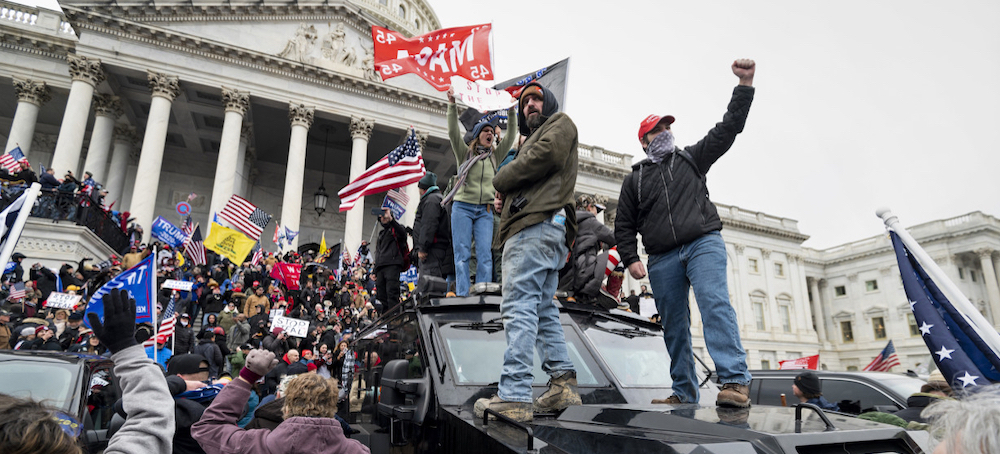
[(84, 20), (779, 233)]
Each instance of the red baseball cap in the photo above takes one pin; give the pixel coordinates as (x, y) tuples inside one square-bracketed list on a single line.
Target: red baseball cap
[(651, 121), (161, 339)]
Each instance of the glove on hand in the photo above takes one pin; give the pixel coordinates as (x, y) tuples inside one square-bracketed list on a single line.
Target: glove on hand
[(118, 329), (258, 363)]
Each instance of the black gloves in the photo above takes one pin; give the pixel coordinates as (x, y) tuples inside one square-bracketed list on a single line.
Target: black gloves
[(118, 329)]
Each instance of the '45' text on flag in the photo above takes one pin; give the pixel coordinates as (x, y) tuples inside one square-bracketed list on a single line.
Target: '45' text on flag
[(435, 56)]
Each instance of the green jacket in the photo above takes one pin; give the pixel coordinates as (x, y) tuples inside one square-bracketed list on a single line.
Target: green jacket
[(544, 173), (237, 360), (478, 188)]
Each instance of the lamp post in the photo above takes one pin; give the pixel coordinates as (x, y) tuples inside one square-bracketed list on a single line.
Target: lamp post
[(321, 197)]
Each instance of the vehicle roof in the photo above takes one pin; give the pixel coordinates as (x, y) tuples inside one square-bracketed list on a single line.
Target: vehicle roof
[(50, 356), (828, 373)]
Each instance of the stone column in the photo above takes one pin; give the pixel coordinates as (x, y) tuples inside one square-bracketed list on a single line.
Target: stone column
[(31, 94), (990, 278), (125, 141), (226, 168), (143, 205), (361, 131), (86, 73), (107, 109), (239, 185), (817, 309), (291, 203)]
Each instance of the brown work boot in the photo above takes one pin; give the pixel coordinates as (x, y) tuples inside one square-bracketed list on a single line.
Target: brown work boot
[(734, 395), (672, 400), (562, 393), (518, 411)]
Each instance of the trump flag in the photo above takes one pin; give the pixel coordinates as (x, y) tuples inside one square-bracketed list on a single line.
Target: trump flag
[(140, 281)]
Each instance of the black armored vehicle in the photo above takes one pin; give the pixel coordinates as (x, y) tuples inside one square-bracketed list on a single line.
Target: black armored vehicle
[(424, 364)]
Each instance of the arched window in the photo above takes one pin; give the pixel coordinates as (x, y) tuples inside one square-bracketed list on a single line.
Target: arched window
[(402, 11), (416, 23)]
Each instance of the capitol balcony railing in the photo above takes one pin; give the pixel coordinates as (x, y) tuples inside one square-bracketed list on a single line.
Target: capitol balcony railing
[(71, 206)]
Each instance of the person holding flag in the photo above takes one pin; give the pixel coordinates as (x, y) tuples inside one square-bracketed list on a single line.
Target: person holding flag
[(472, 194)]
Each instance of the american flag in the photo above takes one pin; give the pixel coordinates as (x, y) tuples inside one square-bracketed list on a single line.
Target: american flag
[(399, 196), (884, 361), (11, 161), (16, 291), (258, 255), (245, 216), (167, 325), (401, 167), (194, 247), (961, 341)]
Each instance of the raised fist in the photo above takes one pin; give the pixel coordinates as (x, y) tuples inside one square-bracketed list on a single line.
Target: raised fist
[(744, 69)]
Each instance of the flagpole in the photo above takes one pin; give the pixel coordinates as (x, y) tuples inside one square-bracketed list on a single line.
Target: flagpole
[(149, 305), (971, 314), (30, 194)]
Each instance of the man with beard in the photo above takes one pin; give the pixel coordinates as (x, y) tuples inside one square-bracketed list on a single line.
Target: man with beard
[(537, 226), (665, 199)]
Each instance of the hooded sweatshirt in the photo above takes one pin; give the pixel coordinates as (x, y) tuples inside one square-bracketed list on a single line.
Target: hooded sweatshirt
[(478, 187)]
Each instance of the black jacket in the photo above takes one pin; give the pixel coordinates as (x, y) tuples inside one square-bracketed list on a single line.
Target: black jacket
[(46, 281), (391, 245), (668, 202), (183, 339), (210, 350), (432, 234), (590, 234)]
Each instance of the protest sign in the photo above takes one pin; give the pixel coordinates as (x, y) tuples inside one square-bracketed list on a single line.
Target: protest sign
[(62, 300), (293, 326), (480, 97), (647, 307), (184, 286), (168, 233)]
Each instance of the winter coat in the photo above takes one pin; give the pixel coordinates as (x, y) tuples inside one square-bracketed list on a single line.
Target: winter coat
[(212, 302), (210, 350), (391, 245), (543, 173), (586, 250), (46, 280), (432, 234), (250, 307), (183, 339), (279, 347), (227, 319), (667, 203), (217, 431), (239, 335), (478, 187)]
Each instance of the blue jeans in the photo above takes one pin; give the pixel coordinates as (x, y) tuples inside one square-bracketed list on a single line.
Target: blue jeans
[(700, 264), (468, 221), (531, 262)]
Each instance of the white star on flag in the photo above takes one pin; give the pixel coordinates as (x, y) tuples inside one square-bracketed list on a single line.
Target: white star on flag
[(968, 379), (925, 329), (943, 353), (911, 304), (421, 40)]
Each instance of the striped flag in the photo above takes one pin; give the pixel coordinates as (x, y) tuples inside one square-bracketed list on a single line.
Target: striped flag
[(11, 161), (194, 247), (245, 216), (17, 291), (884, 361), (258, 255), (399, 196), (401, 167), (277, 234)]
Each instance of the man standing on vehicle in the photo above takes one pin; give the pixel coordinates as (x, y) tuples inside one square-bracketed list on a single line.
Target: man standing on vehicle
[(389, 259), (665, 199), (537, 225)]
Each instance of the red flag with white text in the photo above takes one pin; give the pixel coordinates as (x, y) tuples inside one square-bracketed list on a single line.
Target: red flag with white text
[(435, 56), (808, 362)]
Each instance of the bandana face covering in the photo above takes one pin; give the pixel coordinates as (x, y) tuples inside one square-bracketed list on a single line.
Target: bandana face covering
[(661, 146)]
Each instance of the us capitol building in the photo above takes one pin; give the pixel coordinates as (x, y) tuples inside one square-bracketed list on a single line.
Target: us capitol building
[(273, 100)]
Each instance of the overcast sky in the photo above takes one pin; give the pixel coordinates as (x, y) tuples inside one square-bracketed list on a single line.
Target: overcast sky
[(859, 104)]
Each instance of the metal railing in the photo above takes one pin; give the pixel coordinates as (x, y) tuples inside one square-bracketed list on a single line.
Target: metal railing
[(71, 206)]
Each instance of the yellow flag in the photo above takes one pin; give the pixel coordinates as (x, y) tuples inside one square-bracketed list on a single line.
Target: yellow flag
[(322, 245), (229, 243), (180, 259)]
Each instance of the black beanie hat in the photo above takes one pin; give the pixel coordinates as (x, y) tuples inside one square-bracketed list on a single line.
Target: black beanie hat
[(809, 384), (429, 179)]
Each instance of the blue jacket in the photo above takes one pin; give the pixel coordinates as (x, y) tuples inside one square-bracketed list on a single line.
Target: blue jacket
[(821, 402)]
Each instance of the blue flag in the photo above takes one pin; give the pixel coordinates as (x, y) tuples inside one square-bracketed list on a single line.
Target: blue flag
[(10, 267), (168, 233), (138, 281), (963, 357)]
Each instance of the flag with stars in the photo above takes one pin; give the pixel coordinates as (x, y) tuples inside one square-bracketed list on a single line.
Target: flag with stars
[(885, 360), (402, 166), (435, 56), (11, 161), (961, 353)]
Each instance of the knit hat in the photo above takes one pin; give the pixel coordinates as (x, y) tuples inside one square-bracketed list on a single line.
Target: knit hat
[(311, 367), (27, 331), (75, 316), (188, 363), (809, 384), (478, 129), (429, 179), (530, 90), (40, 328), (651, 121), (277, 330)]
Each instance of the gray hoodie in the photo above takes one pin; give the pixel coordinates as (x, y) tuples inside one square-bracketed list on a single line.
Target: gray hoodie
[(150, 424)]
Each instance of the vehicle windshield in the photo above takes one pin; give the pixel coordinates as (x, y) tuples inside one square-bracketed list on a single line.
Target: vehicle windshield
[(902, 385), (52, 383), (635, 357), (476, 355)]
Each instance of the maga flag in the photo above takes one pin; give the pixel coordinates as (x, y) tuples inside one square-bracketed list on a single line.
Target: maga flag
[(140, 281), (806, 362), (229, 243), (436, 56)]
